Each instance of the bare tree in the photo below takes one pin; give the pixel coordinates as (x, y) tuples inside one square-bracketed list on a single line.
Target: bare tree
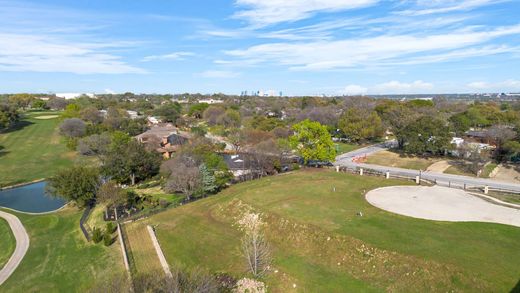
[(254, 245), (73, 127), (94, 145), (184, 176)]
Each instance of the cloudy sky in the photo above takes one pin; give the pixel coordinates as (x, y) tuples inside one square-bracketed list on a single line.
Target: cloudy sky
[(296, 46)]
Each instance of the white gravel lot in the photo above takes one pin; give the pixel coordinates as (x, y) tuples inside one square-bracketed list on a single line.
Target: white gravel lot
[(441, 204)]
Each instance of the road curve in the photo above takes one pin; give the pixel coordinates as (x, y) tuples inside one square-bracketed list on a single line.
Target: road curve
[(346, 160), (22, 245)]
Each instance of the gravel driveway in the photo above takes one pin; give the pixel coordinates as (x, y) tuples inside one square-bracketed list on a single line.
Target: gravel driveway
[(441, 204)]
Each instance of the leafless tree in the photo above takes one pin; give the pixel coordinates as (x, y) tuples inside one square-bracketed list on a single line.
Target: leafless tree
[(212, 114), (91, 114), (255, 248), (94, 145), (184, 176), (73, 127)]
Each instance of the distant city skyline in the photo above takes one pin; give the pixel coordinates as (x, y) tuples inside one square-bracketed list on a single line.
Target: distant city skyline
[(305, 47)]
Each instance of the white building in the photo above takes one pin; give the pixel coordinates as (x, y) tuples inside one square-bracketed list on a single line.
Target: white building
[(211, 101), (70, 96), (132, 114), (153, 120), (457, 141)]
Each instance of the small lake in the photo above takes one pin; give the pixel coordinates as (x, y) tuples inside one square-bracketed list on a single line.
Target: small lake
[(30, 198)]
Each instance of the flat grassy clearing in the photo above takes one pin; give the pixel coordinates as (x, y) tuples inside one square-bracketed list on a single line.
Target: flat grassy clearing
[(59, 258), (32, 150), (457, 170), (392, 159), (142, 255), (488, 169), (7, 242), (319, 243), (342, 148)]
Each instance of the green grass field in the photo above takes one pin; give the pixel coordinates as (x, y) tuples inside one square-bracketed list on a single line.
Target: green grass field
[(7, 243), (59, 258), (319, 244), (392, 159), (32, 150), (342, 148)]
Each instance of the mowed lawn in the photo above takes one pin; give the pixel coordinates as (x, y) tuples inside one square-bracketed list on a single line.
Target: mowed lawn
[(32, 150), (392, 159), (59, 258), (320, 244), (7, 242)]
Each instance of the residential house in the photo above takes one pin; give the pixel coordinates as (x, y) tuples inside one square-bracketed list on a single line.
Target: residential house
[(165, 139)]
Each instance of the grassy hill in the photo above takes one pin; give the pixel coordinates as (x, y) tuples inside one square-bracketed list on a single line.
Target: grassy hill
[(319, 244), (59, 258), (7, 243), (33, 149)]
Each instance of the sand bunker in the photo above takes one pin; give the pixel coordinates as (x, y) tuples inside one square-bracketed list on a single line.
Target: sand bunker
[(45, 117), (441, 204)]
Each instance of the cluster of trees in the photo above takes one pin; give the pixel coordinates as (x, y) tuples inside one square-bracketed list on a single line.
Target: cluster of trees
[(196, 170)]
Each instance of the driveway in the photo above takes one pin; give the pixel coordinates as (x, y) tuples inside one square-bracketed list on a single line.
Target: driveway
[(346, 160), (441, 204), (22, 245)]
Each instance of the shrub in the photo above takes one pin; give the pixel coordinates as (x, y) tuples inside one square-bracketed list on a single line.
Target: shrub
[(107, 238), (295, 166), (110, 228), (97, 235)]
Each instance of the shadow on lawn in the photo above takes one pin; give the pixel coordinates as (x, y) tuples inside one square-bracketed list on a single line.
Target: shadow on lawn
[(18, 126), (2, 151), (516, 289)]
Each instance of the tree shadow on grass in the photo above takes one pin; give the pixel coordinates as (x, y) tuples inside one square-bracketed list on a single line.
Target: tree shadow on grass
[(516, 289), (18, 126)]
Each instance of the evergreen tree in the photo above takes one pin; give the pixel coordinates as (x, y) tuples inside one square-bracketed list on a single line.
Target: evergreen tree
[(208, 180)]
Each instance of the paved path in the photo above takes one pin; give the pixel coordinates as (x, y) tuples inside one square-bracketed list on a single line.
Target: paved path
[(22, 245), (444, 179), (441, 204)]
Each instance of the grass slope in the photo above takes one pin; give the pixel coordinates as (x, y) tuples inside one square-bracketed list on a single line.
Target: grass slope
[(7, 243), (320, 245), (32, 150), (59, 258), (392, 159)]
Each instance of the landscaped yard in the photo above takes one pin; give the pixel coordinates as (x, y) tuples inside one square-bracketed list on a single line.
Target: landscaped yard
[(142, 255), (59, 258), (319, 244), (32, 150), (392, 159), (7, 243), (342, 148)]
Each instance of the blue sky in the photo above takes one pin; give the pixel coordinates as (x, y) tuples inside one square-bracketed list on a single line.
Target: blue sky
[(299, 47)]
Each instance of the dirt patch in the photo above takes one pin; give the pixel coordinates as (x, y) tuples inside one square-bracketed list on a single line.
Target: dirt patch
[(441, 204), (507, 174), (438, 167), (46, 117)]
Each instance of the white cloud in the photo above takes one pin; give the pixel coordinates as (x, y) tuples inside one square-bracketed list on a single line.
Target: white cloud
[(354, 89), (172, 56), (371, 51), (219, 74), (396, 87), (267, 12), (43, 53), (445, 6), (501, 86)]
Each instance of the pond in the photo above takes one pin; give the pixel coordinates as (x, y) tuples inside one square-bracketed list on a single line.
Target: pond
[(30, 198)]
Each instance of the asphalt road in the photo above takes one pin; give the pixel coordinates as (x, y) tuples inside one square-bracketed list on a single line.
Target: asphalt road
[(441, 179), (22, 245)]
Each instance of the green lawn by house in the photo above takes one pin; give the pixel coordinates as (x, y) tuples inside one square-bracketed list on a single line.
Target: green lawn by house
[(342, 148), (7, 243), (393, 159), (33, 150), (59, 258), (319, 244)]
